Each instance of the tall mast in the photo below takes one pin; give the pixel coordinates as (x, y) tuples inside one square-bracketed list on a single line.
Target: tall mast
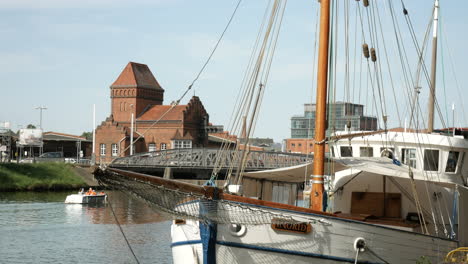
[(430, 123), (316, 196)]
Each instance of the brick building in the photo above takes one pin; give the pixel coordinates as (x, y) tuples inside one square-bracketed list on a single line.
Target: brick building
[(301, 145), (156, 127)]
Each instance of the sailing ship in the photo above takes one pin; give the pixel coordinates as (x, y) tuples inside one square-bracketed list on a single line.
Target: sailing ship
[(381, 197)]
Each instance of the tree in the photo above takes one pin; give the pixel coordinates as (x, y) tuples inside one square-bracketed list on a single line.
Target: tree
[(87, 135), (31, 126)]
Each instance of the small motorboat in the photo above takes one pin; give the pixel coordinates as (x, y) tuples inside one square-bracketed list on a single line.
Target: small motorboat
[(89, 197)]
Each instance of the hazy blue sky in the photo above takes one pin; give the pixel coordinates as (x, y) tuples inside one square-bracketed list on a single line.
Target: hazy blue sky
[(65, 54)]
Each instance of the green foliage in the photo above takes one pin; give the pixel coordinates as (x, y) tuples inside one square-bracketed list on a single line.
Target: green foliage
[(39, 176), (423, 260), (87, 135), (31, 126)]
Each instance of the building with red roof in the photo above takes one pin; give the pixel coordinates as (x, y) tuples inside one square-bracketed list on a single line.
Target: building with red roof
[(157, 126)]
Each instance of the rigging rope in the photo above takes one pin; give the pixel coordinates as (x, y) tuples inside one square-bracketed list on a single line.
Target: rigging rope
[(253, 87), (122, 232)]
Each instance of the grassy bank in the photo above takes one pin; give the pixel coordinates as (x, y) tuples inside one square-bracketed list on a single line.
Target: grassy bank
[(38, 177)]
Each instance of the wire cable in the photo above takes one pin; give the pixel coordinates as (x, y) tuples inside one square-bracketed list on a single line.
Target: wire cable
[(121, 231)]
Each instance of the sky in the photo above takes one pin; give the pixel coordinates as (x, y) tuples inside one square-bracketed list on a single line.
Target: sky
[(64, 54)]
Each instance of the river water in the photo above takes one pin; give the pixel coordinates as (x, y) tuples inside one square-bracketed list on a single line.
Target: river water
[(40, 228)]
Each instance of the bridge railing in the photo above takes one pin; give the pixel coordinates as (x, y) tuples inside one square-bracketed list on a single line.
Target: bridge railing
[(206, 158)]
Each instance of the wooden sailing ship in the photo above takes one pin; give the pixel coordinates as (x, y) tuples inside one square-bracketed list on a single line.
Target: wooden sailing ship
[(382, 192)]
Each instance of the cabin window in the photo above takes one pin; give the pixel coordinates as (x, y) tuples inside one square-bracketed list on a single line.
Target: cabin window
[(346, 151), (151, 147), (387, 152), (163, 146), (366, 152), (115, 150), (408, 156), (462, 160), (452, 161), (300, 145), (431, 160), (293, 145), (103, 149)]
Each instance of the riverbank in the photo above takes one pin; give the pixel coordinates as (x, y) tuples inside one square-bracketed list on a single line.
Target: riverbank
[(40, 177)]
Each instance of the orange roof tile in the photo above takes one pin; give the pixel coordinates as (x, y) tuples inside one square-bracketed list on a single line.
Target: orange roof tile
[(156, 112), (136, 75)]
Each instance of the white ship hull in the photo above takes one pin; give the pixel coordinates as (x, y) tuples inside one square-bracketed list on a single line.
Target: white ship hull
[(331, 240)]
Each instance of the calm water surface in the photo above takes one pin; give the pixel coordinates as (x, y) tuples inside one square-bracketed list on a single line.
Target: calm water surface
[(40, 228)]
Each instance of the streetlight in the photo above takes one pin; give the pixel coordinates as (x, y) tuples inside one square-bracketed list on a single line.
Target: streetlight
[(131, 132), (41, 108)]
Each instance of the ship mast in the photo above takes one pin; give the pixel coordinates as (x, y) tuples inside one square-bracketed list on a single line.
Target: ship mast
[(316, 196), (430, 122)]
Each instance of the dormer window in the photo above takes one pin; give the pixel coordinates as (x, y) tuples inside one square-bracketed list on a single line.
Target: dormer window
[(182, 144), (151, 147)]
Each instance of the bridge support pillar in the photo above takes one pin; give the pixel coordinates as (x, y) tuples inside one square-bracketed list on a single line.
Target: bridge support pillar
[(168, 173)]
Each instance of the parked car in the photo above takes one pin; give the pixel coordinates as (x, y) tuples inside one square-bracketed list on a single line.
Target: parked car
[(45, 157), (70, 160)]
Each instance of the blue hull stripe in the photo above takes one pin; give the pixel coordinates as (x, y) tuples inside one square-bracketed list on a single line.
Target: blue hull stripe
[(188, 242), (290, 252)]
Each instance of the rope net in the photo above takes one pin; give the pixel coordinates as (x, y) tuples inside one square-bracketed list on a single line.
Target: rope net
[(176, 204)]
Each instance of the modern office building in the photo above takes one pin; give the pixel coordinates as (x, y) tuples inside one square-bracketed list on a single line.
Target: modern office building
[(342, 116)]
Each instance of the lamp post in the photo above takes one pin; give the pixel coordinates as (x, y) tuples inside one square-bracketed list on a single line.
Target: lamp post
[(93, 156), (131, 132), (40, 108)]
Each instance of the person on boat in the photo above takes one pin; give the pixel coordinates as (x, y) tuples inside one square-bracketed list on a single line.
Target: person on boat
[(90, 192)]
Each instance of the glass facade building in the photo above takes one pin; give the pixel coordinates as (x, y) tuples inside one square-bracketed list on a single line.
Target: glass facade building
[(340, 114)]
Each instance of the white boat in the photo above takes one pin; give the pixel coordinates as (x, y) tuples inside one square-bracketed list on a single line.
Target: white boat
[(382, 197), (84, 198)]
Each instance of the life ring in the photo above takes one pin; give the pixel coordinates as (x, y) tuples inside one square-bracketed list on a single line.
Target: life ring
[(387, 153)]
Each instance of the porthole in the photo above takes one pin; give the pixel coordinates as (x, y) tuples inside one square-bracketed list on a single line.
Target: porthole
[(237, 230)]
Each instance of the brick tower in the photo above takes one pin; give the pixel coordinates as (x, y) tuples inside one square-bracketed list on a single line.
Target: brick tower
[(134, 91)]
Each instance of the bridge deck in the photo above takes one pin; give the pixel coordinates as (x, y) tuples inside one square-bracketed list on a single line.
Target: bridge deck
[(203, 158)]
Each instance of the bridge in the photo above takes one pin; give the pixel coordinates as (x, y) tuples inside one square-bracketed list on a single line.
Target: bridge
[(197, 160)]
